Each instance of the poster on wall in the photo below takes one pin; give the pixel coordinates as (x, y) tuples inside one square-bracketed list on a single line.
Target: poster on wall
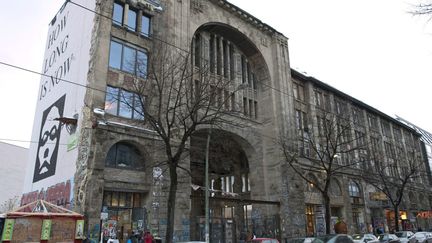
[(79, 229), (46, 157), (46, 229), (53, 158), (8, 230)]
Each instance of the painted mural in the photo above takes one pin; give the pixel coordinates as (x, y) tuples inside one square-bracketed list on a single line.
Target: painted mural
[(53, 157)]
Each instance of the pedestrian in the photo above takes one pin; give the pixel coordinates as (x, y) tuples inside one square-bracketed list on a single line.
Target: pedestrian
[(148, 238)]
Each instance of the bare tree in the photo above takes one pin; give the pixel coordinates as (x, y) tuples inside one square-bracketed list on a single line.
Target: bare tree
[(422, 9), (394, 174), (9, 204), (175, 96), (333, 151)]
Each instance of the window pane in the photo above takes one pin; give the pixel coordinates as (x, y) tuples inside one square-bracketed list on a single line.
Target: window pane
[(142, 64), (111, 156), (111, 100), (114, 201), (145, 25), (126, 104), (138, 108), (129, 59), (122, 201), (136, 200), (118, 14), (107, 199), (128, 199), (115, 55), (132, 17), (123, 155)]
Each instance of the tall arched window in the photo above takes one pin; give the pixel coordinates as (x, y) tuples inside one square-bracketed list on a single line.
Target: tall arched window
[(124, 155), (353, 189)]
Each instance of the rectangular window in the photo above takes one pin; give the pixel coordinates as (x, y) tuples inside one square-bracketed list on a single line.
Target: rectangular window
[(256, 109), (357, 116), (132, 20), (245, 103), (218, 56), (118, 14), (115, 55), (145, 25), (126, 104), (232, 62), (249, 74), (373, 123), (197, 50), (141, 66), (233, 101), (123, 103), (243, 67), (386, 128), (226, 100), (225, 58), (318, 99), (111, 100), (212, 54), (128, 59), (298, 119), (250, 108), (298, 91)]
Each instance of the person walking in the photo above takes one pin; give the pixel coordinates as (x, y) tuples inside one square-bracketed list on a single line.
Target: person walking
[(148, 238)]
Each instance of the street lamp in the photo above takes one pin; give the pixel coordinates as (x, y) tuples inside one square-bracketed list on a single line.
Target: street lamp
[(207, 216)]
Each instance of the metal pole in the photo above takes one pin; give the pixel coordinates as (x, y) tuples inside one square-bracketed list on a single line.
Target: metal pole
[(207, 215)]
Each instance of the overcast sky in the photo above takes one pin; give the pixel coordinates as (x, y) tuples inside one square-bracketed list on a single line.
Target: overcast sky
[(372, 50)]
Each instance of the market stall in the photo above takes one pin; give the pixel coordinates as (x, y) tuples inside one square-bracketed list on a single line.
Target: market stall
[(41, 221)]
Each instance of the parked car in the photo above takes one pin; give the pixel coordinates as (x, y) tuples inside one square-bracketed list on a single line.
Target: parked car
[(421, 237), (264, 240), (388, 238), (300, 240), (339, 238), (365, 238), (404, 236)]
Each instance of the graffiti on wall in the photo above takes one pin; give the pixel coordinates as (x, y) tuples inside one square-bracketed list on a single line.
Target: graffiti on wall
[(59, 194)]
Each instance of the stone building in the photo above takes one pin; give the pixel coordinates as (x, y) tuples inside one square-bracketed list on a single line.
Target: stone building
[(103, 161), (361, 205), (14, 161)]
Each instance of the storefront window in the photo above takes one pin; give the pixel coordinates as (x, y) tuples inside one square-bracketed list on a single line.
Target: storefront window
[(126, 214), (310, 220)]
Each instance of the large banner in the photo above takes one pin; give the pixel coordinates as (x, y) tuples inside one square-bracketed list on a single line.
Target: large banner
[(53, 153)]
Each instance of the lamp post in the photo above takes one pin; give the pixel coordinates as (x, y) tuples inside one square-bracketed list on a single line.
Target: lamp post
[(207, 213)]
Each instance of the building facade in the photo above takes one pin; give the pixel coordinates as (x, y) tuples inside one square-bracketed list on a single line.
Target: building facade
[(97, 155), (362, 205), (14, 162)]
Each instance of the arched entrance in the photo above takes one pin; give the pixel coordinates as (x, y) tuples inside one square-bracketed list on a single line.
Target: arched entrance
[(233, 211)]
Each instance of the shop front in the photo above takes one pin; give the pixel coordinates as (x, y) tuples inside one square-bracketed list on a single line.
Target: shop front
[(404, 222), (123, 214)]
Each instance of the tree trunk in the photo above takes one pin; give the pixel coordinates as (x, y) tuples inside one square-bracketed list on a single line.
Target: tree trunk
[(327, 216), (171, 203), (396, 218)]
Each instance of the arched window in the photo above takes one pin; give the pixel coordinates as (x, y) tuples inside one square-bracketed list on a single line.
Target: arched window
[(335, 189), (353, 189), (124, 155)]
